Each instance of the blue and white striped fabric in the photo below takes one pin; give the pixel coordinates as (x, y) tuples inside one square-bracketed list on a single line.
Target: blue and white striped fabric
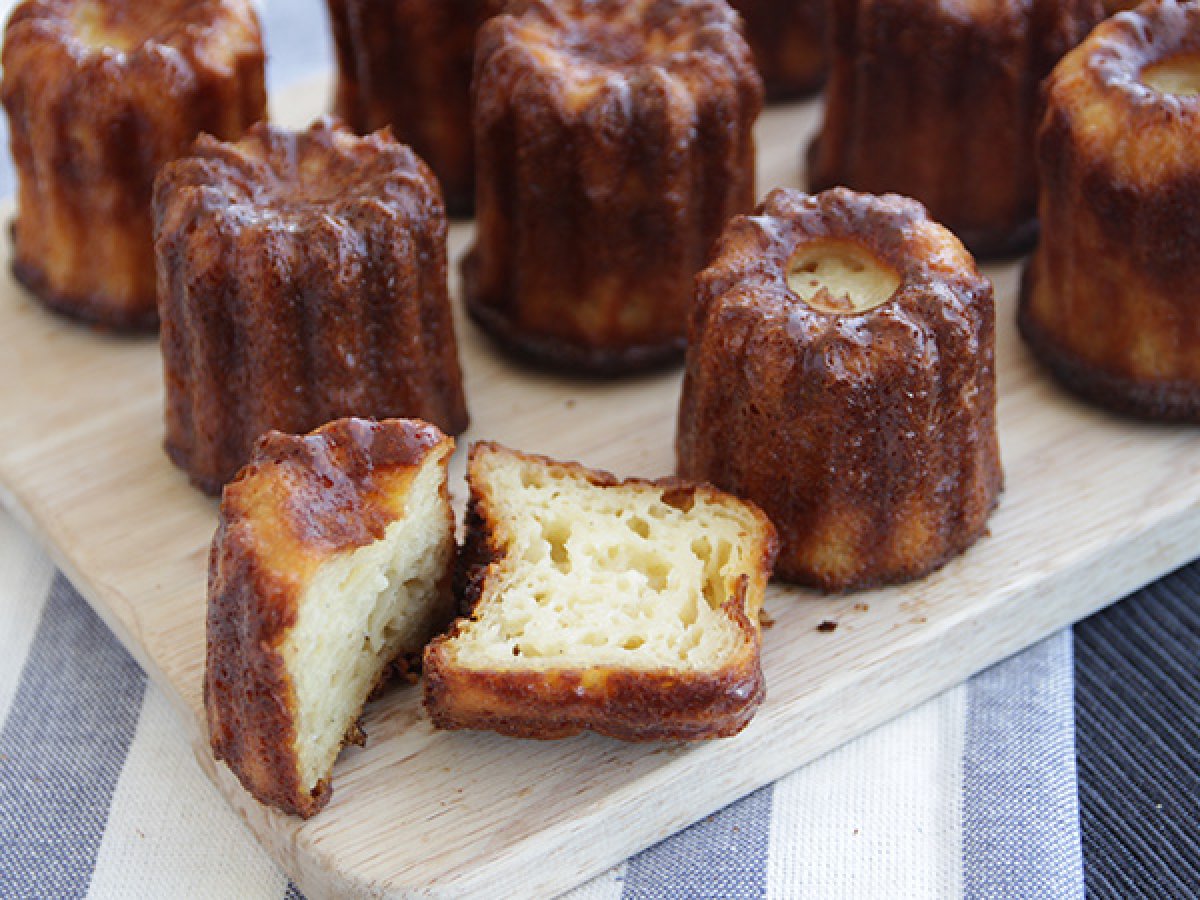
[(971, 795)]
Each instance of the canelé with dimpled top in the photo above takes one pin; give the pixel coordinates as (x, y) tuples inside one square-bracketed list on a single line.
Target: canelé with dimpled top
[(938, 100), (1111, 298), (840, 374), (613, 140), (407, 64), (98, 96), (302, 278)]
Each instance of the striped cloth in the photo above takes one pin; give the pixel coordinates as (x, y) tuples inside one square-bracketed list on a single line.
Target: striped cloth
[(971, 795)]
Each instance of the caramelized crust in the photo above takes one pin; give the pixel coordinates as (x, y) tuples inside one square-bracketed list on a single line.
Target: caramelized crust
[(613, 140), (98, 96), (624, 703), (302, 278), (300, 501), (938, 100), (1110, 300), (407, 64), (869, 438), (788, 40)]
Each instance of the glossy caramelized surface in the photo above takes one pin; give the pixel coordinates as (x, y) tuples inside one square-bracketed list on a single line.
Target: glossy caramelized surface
[(303, 279), (1110, 301), (867, 432)]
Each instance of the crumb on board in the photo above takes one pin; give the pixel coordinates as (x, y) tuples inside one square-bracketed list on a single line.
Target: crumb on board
[(570, 403), (861, 607), (827, 626), (765, 619)]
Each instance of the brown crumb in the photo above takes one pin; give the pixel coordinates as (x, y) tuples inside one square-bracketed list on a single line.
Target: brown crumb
[(827, 626), (570, 404), (861, 607), (356, 736), (764, 619)]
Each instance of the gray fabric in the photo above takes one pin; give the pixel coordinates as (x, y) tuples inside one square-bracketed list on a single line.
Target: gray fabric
[(1020, 813), (62, 749), (723, 857)]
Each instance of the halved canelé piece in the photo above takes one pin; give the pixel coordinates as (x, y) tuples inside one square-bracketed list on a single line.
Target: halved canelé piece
[(1111, 299), (332, 561), (629, 608), (840, 374)]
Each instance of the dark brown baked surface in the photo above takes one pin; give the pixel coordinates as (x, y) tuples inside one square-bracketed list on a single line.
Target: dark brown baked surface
[(939, 101), (869, 438), (302, 278), (613, 140), (1111, 298), (788, 40), (98, 96), (407, 64), (558, 702), (300, 500)]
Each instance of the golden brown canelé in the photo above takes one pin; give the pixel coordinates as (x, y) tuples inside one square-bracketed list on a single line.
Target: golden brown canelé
[(302, 277), (98, 96), (1111, 298), (840, 374), (613, 140), (297, 638), (407, 64), (938, 100), (788, 40)]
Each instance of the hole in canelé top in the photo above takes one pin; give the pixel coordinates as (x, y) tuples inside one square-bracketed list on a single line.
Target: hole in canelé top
[(1178, 75), (840, 277)]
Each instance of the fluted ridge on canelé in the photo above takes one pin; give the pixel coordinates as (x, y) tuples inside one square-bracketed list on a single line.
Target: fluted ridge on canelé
[(788, 40), (302, 278), (1110, 301), (868, 438), (407, 64), (613, 140), (938, 101), (98, 96)]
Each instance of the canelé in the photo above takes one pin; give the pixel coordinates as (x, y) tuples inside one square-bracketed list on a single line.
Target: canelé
[(1111, 298), (331, 566), (613, 140), (629, 608), (302, 278), (938, 100), (407, 64), (840, 374), (99, 95), (788, 40)]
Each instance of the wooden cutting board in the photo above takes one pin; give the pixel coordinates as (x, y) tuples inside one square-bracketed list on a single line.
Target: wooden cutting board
[(1095, 506)]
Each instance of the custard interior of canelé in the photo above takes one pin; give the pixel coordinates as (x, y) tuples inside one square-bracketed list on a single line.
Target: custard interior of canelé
[(361, 608), (839, 277), (1178, 75)]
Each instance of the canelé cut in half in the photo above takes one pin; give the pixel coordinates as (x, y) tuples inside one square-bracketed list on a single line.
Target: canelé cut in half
[(1111, 298), (613, 140), (840, 374), (407, 64), (302, 278), (629, 608), (938, 100), (99, 94), (331, 562), (788, 40)]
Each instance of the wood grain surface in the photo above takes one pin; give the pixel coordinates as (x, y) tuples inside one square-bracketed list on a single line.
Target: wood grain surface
[(1095, 506)]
